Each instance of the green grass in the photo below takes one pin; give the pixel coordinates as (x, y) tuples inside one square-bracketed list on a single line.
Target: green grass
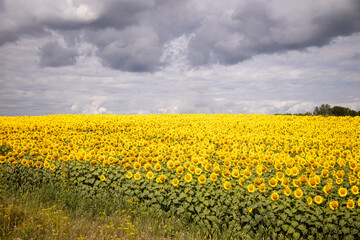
[(51, 214)]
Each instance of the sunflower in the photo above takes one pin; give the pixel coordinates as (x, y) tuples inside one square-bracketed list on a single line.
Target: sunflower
[(227, 185), (294, 171), (318, 199), (312, 183), (46, 164), (137, 165), (93, 162), (102, 178), (354, 190), (2, 159), (150, 175), (137, 176), (175, 182), (30, 163), (202, 179), (188, 178), (198, 171), (339, 181), (241, 181), (226, 173), (342, 192), (285, 182), (280, 176), (127, 166), (161, 179), (251, 188), (157, 167), (274, 196), (24, 162), (333, 205), (309, 200), (216, 170), (273, 182), (262, 188), (14, 163), (287, 191), (213, 177), (179, 170), (235, 173), (327, 189), (170, 164), (129, 175), (247, 173), (147, 167), (350, 204), (38, 164), (258, 181)]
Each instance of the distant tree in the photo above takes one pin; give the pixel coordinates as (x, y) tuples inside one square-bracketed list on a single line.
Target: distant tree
[(327, 110), (324, 110)]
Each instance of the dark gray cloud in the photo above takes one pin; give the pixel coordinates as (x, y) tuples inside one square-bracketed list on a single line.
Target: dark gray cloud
[(52, 54), (130, 35), (262, 27)]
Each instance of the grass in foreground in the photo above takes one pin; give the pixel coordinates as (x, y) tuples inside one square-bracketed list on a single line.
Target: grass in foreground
[(44, 214)]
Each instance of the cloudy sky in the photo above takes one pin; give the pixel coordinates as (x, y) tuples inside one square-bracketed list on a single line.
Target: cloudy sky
[(167, 56)]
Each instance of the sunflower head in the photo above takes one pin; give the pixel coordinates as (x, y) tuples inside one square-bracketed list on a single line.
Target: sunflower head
[(334, 205), (227, 185), (318, 199), (350, 204), (298, 193), (274, 196), (342, 192)]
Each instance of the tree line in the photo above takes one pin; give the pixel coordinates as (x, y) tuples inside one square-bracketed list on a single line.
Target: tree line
[(326, 110)]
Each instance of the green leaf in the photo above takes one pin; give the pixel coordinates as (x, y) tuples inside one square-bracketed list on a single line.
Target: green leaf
[(291, 230), (301, 227)]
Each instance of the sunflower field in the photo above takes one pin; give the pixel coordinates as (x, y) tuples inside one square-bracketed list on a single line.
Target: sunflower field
[(268, 176)]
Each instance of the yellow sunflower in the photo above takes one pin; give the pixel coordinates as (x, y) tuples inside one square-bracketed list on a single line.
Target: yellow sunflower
[(251, 188), (202, 179), (354, 190), (298, 193), (102, 178), (350, 204), (129, 175), (342, 192), (150, 175), (227, 185), (287, 191), (137, 176), (274, 196), (333, 205), (175, 182), (188, 178), (318, 199)]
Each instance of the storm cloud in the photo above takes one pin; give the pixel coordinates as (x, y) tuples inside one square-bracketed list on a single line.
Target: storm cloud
[(191, 56), (131, 35), (54, 55)]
